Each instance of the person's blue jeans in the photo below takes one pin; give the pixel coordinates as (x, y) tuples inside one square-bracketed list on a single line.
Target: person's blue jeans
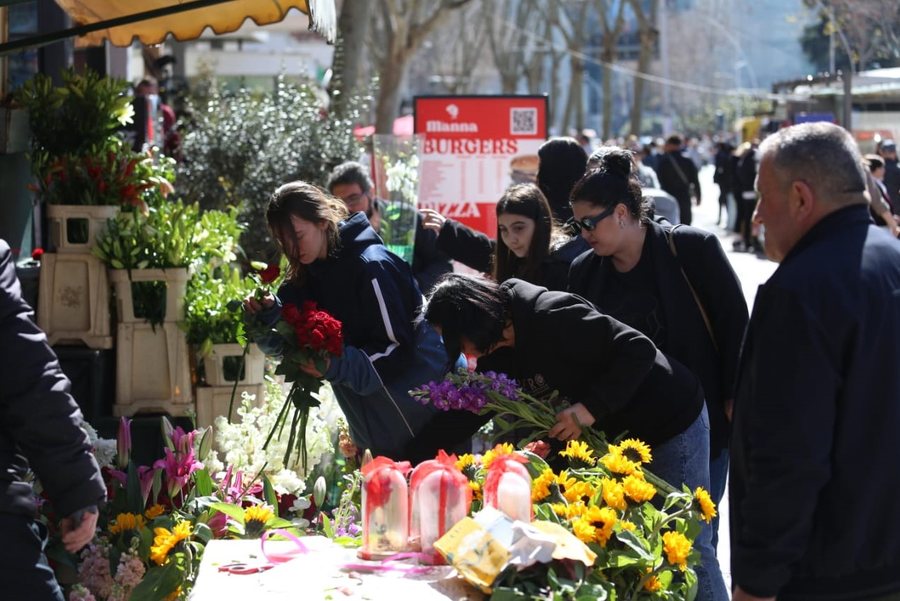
[(24, 571), (718, 478), (684, 459)]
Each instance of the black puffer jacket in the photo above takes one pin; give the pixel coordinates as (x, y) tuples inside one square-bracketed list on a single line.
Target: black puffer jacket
[(39, 419)]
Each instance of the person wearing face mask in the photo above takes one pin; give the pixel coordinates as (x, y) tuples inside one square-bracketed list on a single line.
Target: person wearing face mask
[(673, 284), (338, 261)]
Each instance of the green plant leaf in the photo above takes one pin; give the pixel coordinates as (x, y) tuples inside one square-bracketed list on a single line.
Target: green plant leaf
[(230, 510)]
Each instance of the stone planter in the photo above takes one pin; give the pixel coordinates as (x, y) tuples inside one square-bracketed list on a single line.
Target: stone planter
[(73, 300), (215, 368), (175, 279), (74, 228)]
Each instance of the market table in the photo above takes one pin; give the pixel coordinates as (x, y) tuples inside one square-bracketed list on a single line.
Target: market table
[(316, 575)]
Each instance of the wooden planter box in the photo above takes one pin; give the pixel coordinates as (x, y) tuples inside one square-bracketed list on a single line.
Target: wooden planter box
[(87, 219), (213, 401), (175, 278), (153, 372), (73, 300), (214, 365)]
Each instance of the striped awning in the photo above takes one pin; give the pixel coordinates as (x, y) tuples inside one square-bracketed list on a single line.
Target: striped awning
[(151, 21)]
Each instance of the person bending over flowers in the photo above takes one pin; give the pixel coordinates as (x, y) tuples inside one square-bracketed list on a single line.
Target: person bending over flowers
[(614, 377), (339, 262)]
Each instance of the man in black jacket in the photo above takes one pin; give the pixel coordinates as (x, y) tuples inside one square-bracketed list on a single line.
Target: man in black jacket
[(350, 182), (678, 176), (39, 429), (815, 451)]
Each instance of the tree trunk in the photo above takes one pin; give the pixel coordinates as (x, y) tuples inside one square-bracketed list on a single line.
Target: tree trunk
[(390, 78), (648, 39), (348, 51)]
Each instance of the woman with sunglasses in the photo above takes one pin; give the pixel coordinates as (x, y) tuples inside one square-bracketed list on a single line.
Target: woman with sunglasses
[(612, 376), (675, 285), (529, 244)]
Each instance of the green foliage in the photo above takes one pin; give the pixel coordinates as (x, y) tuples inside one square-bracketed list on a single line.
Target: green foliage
[(244, 145), (208, 319)]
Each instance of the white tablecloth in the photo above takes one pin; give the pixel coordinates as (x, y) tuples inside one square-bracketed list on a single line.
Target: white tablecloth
[(316, 575)]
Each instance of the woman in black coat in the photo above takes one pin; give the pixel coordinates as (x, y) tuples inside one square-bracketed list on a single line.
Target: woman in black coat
[(675, 285), (612, 376)]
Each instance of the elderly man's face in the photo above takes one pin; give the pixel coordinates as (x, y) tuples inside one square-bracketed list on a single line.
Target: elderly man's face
[(774, 210)]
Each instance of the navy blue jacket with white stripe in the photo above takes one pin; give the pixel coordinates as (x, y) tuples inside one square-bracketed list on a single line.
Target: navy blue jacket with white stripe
[(388, 347)]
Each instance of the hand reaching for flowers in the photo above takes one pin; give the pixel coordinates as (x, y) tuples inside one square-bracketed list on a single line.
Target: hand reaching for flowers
[(252, 305), (569, 422)]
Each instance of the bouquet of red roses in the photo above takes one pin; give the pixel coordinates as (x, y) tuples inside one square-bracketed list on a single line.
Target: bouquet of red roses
[(311, 337)]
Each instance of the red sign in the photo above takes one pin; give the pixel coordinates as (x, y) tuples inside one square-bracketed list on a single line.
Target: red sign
[(475, 147)]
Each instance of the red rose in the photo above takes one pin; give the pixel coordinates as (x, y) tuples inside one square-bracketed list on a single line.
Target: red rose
[(37, 253), (290, 314), (269, 274)]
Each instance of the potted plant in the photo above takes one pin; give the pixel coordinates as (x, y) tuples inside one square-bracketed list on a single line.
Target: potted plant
[(77, 155)]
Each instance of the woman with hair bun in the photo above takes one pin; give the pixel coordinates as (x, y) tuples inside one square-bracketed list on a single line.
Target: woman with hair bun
[(673, 284)]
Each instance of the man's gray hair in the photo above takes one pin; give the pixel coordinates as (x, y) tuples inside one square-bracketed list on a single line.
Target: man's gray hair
[(824, 155), (350, 172)]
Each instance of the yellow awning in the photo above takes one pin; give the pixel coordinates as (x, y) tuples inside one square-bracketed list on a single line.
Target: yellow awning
[(223, 17)]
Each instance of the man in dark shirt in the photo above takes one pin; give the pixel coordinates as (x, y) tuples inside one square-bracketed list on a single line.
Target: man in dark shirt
[(815, 451), (888, 151), (678, 176)]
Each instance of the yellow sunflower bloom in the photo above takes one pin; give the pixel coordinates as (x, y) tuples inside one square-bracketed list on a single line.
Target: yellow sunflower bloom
[(125, 522), (154, 511), (584, 530), (627, 525), (164, 541), (501, 450), (652, 584), (540, 487), (255, 519), (476, 490), (677, 548), (465, 461), (613, 494), (560, 509), (617, 463), (707, 506), (635, 450), (578, 491), (604, 520), (638, 489), (579, 452)]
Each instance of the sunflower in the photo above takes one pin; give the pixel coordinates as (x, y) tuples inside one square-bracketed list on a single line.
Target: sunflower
[(465, 461), (501, 450), (638, 489), (164, 541), (255, 519), (540, 487), (604, 520), (707, 507), (476, 490), (652, 584), (125, 522), (578, 452), (154, 511), (677, 548), (635, 450), (579, 491), (617, 463), (613, 494), (584, 530), (627, 525), (560, 509)]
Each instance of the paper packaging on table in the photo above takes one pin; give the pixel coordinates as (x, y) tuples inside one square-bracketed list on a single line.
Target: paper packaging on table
[(439, 498), (385, 507), (480, 548)]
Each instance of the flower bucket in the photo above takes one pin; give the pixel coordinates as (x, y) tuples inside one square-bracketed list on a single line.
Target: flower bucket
[(217, 374), (73, 300), (74, 228), (175, 280)]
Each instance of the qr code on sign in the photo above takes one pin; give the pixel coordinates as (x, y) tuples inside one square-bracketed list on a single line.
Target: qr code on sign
[(523, 121)]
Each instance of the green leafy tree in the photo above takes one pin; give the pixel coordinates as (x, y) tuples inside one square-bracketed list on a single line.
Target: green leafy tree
[(243, 145)]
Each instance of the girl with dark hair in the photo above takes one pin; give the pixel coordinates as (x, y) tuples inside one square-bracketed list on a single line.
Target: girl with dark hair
[(530, 245), (613, 376), (340, 263), (673, 284)]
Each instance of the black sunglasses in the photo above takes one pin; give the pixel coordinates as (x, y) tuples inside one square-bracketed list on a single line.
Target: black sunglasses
[(589, 223)]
